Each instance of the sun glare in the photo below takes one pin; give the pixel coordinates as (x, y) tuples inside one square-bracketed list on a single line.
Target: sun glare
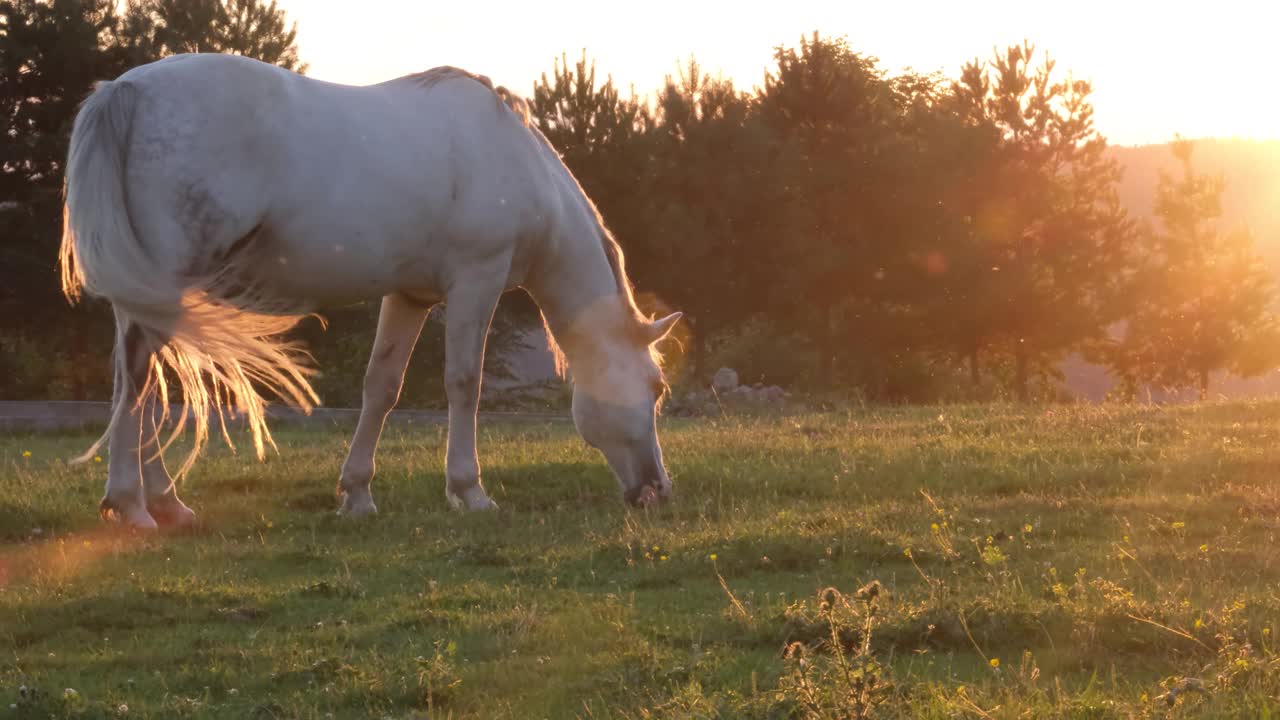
[(1157, 69), (60, 558)]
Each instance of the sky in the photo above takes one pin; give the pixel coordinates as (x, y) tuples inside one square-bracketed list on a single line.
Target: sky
[(1158, 68)]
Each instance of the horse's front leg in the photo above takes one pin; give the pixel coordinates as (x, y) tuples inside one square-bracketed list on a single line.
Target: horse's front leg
[(399, 325), (469, 311)]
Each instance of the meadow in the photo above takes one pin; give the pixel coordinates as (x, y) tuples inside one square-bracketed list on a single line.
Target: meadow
[(961, 561)]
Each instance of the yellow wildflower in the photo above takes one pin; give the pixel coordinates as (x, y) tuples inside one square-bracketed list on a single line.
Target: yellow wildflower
[(26, 453), (994, 662), (712, 556), (1204, 548), (1026, 528), (97, 458), (934, 527), (663, 558), (1178, 525)]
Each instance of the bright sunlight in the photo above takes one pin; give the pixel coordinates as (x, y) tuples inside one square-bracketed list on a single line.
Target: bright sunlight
[(1157, 68)]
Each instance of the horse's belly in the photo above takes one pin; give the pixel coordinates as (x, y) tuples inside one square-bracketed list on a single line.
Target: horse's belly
[(324, 271)]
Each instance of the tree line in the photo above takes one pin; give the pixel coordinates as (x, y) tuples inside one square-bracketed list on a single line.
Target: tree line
[(906, 236)]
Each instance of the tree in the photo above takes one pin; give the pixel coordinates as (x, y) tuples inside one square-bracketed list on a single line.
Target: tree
[(1048, 218), (956, 311), (252, 28), (604, 140), (599, 135), (1204, 297), (837, 116), (51, 53), (713, 203)]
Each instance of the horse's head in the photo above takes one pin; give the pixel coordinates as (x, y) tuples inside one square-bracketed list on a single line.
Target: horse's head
[(615, 402)]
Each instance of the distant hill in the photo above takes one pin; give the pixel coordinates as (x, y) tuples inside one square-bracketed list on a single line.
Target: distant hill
[(1252, 199), (1252, 172)]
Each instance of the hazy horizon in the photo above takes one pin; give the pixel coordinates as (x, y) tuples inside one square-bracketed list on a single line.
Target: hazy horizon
[(1156, 70)]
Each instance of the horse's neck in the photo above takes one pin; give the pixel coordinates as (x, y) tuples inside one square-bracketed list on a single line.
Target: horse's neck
[(574, 285)]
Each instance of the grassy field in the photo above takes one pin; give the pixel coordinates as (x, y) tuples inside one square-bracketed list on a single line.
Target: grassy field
[(1064, 562)]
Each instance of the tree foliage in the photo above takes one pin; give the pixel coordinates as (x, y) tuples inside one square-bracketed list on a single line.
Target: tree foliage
[(597, 131), (252, 28), (1048, 219), (838, 226), (711, 205), (51, 54), (835, 113), (1203, 297)]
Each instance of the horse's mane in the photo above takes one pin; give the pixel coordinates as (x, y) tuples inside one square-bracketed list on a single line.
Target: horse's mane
[(612, 250), (429, 78)]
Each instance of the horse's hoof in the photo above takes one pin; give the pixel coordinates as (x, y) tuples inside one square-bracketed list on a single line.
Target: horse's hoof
[(357, 505), (473, 499), (172, 513), (127, 515)]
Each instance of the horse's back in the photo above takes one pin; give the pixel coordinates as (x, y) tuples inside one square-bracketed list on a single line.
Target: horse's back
[(356, 189)]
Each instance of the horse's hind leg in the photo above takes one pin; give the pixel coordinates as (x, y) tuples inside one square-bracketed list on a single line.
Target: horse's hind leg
[(125, 497), (140, 491), (162, 493), (399, 324)]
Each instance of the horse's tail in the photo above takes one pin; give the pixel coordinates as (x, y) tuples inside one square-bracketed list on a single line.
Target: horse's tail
[(219, 348)]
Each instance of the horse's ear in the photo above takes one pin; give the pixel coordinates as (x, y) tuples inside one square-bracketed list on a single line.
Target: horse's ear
[(659, 329)]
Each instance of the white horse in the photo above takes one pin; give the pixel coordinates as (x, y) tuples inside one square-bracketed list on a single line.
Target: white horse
[(214, 200)]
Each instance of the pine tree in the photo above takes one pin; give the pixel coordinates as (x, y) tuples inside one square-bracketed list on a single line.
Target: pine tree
[(1048, 217), (51, 53), (1205, 299), (952, 314), (253, 28), (836, 115), (601, 136), (595, 130), (712, 206), (603, 139)]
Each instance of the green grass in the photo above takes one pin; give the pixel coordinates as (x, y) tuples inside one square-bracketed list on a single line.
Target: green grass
[(1100, 554)]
